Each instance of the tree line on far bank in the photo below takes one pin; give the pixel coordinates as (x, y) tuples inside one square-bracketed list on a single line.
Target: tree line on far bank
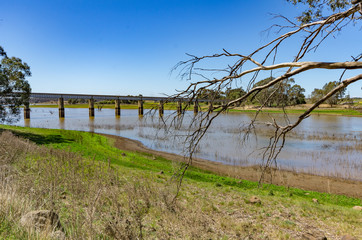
[(285, 94), (83, 101), (319, 93)]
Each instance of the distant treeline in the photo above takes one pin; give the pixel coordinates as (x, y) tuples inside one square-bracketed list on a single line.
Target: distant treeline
[(286, 93), (80, 101)]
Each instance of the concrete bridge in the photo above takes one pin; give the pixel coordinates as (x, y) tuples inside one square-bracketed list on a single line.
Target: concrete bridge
[(117, 99)]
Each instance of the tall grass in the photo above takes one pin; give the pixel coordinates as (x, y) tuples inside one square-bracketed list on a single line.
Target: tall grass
[(92, 199)]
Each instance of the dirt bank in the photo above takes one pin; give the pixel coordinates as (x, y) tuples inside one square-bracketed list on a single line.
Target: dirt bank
[(286, 178)]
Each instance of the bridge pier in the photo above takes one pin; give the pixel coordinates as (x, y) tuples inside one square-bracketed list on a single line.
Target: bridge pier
[(117, 107), (196, 107), (91, 107), (26, 111), (140, 108), (211, 107), (161, 109), (179, 108), (61, 107)]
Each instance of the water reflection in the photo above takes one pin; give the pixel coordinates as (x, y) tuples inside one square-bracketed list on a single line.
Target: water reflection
[(91, 124), (62, 123), (329, 145), (26, 122)]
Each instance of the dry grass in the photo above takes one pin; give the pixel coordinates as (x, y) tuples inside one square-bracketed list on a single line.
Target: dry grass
[(93, 199)]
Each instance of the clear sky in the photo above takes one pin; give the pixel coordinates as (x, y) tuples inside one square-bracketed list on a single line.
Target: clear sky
[(128, 47)]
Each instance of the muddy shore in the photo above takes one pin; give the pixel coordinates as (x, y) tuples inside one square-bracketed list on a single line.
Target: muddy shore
[(280, 177)]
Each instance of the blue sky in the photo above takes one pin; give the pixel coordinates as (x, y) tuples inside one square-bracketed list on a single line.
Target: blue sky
[(128, 47)]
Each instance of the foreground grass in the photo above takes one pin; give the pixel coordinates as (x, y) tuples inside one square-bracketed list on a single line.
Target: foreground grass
[(136, 194)]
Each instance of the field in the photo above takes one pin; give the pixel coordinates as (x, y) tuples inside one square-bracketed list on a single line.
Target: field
[(102, 192)]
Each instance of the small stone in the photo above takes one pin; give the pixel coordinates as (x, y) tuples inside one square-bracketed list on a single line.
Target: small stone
[(315, 200), (254, 200), (348, 237), (41, 220), (307, 193), (358, 208), (63, 195), (314, 236)]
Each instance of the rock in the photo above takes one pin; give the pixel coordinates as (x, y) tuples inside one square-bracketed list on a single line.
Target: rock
[(348, 237), (254, 200), (307, 193), (314, 235), (41, 220), (63, 195), (358, 208), (315, 200)]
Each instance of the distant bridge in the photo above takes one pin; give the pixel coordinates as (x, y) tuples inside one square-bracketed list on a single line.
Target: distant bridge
[(117, 99)]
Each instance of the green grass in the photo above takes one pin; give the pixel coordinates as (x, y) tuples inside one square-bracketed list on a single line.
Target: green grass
[(8, 232), (333, 111), (101, 148)]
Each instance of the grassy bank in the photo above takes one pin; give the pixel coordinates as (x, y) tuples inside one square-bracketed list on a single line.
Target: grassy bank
[(101, 192), (319, 111)]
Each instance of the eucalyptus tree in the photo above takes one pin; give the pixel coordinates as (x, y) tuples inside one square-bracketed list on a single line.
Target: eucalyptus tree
[(318, 93), (14, 88)]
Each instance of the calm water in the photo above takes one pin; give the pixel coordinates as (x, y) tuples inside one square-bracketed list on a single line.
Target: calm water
[(326, 145)]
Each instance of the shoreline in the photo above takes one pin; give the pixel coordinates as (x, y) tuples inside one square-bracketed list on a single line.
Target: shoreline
[(346, 112), (305, 181)]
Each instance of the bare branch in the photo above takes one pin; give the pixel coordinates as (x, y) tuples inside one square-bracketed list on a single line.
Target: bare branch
[(315, 34)]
